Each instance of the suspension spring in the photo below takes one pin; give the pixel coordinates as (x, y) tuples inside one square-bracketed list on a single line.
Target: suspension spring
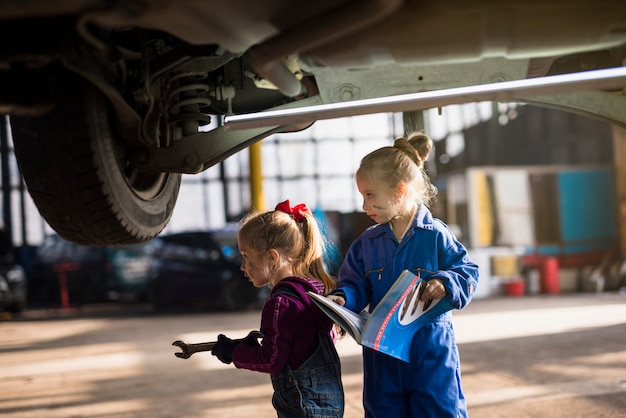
[(187, 99)]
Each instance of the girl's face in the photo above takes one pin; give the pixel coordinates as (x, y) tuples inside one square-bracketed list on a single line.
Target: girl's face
[(253, 266), (378, 200)]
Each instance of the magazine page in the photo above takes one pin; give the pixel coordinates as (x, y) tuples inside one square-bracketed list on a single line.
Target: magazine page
[(349, 321), (399, 315)]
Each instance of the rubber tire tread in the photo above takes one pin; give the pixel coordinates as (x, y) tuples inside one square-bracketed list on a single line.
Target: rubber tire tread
[(68, 160)]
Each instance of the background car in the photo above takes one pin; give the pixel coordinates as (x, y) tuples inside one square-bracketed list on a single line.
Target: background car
[(13, 290), (201, 268), (93, 273)]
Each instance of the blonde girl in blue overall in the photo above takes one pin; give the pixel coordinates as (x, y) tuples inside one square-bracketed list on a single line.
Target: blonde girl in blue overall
[(283, 249), (396, 192)]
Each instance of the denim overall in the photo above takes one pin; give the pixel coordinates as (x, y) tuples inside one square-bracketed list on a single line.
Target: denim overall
[(314, 390)]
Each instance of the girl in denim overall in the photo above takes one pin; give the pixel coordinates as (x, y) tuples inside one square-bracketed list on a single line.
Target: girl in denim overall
[(284, 249)]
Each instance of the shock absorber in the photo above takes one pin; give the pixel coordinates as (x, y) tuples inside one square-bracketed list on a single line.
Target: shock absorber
[(187, 98)]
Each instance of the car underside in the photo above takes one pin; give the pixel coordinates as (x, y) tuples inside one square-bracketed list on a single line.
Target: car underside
[(110, 102)]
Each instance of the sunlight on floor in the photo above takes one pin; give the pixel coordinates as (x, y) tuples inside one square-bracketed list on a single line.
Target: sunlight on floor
[(523, 323)]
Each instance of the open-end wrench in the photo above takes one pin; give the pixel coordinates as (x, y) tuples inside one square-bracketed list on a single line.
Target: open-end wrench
[(189, 349)]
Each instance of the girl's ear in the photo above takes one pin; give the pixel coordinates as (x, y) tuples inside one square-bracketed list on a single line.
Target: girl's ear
[(273, 256), (402, 191)]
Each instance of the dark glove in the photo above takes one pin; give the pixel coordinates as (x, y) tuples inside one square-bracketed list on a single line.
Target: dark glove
[(223, 349), (252, 339)]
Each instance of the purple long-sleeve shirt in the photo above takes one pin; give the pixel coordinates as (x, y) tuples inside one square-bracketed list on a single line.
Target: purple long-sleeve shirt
[(289, 325)]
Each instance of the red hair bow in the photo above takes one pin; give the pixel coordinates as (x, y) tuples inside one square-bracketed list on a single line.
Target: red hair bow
[(297, 211)]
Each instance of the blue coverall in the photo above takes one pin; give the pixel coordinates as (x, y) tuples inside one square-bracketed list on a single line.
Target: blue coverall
[(430, 385)]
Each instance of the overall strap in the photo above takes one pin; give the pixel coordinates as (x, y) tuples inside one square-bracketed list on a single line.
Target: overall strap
[(287, 290), (325, 340)]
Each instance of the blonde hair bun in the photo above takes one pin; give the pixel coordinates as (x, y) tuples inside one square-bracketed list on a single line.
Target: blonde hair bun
[(417, 146)]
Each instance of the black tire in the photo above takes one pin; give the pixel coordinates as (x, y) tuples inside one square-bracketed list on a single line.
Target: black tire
[(77, 173), (159, 296), (19, 305), (237, 295)]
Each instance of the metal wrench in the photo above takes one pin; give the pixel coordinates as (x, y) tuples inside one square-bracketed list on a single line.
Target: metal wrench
[(189, 349)]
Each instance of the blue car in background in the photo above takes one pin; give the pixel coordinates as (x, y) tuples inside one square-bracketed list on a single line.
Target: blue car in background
[(201, 269)]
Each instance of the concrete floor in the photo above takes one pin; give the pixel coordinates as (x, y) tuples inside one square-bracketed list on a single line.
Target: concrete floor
[(539, 356)]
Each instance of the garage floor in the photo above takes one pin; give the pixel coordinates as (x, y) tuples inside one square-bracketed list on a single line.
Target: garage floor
[(540, 356)]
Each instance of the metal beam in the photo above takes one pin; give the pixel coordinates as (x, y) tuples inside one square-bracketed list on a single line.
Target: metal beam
[(606, 79)]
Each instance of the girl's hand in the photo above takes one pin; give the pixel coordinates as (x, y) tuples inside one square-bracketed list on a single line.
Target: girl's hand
[(434, 290), (337, 299)]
